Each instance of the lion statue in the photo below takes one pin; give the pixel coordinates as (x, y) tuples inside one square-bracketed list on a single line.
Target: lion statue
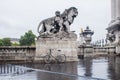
[(60, 22)]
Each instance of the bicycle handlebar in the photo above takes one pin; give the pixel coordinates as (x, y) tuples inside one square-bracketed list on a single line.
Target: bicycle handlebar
[(53, 49), (58, 50)]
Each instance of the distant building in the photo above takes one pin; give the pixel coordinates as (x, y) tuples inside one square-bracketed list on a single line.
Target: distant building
[(14, 40)]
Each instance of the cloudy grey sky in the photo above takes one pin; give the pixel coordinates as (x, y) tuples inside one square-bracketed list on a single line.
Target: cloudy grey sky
[(19, 16)]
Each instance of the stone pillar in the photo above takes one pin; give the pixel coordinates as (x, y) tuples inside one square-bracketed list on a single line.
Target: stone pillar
[(113, 9), (117, 8), (86, 49)]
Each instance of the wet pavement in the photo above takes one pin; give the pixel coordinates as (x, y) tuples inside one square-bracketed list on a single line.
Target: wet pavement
[(100, 68)]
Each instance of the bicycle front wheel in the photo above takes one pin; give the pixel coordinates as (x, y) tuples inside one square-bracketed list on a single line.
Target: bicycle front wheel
[(61, 58), (47, 59)]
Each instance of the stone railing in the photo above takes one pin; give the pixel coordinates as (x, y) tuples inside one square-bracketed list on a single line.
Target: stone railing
[(96, 50), (25, 53)]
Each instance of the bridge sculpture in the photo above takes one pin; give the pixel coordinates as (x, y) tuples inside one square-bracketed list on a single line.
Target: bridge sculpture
[(55, 34), (113, 29), (59, 25)]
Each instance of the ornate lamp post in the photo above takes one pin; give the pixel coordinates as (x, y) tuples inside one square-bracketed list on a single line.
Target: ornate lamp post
[(87, 34)]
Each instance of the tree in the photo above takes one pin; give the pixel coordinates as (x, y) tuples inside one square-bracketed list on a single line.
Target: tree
[(15, 44), (28, 39), (6, 42), (1, 42)]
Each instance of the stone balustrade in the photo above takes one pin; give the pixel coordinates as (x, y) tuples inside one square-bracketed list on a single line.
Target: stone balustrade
[(17, 53)]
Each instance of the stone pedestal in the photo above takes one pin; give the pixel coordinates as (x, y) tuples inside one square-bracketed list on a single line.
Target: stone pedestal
[(110, 49), (118, 49), (67, 46), (85, 51), (88, 51)]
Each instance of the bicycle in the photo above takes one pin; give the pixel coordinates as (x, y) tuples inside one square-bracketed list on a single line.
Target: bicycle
[(49, 57)]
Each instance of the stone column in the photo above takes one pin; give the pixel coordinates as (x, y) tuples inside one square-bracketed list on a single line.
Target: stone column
[(113, 9), (117, 8)]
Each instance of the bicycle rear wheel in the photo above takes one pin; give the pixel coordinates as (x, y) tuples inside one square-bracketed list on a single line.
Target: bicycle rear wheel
[(61, 58), (47, 59)]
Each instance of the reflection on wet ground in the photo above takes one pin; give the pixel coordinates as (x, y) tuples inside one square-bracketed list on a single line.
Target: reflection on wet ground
[(86, 69)]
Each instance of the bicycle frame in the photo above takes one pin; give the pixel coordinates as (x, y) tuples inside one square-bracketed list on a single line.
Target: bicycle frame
[(58, 58)]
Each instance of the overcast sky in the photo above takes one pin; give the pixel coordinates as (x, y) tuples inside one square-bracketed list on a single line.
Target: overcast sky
[(19, 16)]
